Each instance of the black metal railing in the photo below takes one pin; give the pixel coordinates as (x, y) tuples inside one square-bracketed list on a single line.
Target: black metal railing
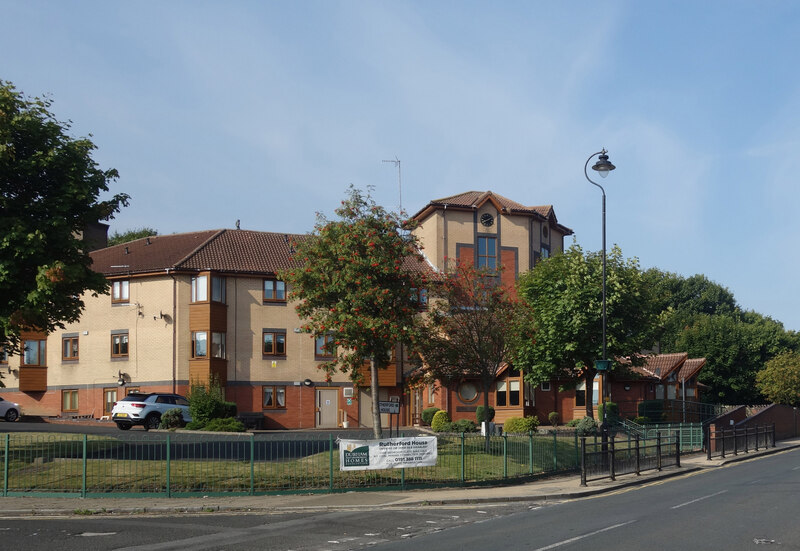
[(609, 458), (722, 442)]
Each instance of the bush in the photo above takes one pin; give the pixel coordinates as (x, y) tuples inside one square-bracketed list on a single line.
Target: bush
[(463, 425), (440, 421), (207, 403), (652, 409), (554, 418), (194, 425), (172, 419), (613, 412), (228, 424), (586, 427), (427, 415), (641, 420), (484, 414), (521, 424), (573, 422)]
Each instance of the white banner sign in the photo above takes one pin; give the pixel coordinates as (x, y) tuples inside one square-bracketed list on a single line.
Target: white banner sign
[(392, 453)]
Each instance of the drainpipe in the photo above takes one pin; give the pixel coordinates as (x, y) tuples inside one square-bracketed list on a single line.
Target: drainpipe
[(174, 331)]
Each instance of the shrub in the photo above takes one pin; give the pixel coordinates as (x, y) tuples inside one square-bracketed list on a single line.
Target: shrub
[(463, 425), (554, 418), (613, 412), (427, 415), (440, 421), (521, 424), (484, 414), (194, 425), (653, 409), (172, 419), (641, 420), (228, 424), (206, 403), (586, 427), (573, 422)]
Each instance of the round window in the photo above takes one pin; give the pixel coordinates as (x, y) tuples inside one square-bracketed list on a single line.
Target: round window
[(467, 392)]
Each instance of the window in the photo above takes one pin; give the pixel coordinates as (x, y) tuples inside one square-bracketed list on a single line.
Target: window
[(580, 393), (546, 387), (274, 397), (218, 285), (120, 291), (487, 253), (431, 394), (69, 400), (274, 342), (199, 344), (467, 392), (119, 345), (324, 347), (34, 353), (200, 289), (109, 399), (420, 297), (3, 356), (69, 348), (274, 290), (545, 252), (218, 345), (509, 391)]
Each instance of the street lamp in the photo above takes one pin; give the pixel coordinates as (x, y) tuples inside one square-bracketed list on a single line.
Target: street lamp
[(603, 166)]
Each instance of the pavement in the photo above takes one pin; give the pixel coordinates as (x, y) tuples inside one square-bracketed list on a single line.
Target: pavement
[(556, 488)]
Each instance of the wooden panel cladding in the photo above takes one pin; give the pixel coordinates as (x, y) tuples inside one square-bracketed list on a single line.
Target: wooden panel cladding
[(202, 372), (390, 376), (466, 255), (208, 316), (32, 379), (32, 335)]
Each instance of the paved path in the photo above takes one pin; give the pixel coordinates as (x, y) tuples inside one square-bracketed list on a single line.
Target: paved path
[(555, 488)]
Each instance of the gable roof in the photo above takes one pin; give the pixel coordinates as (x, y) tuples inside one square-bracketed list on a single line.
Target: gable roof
[(691, 367), (231, 251), (660, 366), (472, 200)]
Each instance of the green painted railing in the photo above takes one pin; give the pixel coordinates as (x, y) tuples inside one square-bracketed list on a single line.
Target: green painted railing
[(184, 464)]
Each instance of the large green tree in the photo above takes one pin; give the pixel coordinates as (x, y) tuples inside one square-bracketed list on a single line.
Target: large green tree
[(565, 294), (118, 238), (779, 381), (702, 318), (471, 327), (358, 283), (50, 190)]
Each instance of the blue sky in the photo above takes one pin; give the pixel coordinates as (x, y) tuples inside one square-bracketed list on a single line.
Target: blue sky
[(266, 111)]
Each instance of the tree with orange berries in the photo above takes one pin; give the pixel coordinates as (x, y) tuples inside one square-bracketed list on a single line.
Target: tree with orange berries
[(358, 281)]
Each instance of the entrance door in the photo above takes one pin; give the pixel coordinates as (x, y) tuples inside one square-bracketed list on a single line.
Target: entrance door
[(327, 407), (365, 407)]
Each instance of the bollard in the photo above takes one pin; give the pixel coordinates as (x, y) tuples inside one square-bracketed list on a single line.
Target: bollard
[(583, 461)]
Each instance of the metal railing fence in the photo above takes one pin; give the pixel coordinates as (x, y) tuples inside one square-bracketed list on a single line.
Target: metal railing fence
[(184, 464), (607, 459), (738, 440), (690, 434)]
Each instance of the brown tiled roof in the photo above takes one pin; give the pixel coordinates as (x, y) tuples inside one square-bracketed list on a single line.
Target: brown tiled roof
[(661, 365), (232, 251), (475, 199), (690, 368), (225, 251)]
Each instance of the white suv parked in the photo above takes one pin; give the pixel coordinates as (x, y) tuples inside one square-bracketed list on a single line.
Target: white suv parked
[(9, 411), (146, 409)]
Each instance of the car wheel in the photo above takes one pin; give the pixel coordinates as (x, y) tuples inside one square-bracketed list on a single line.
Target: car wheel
[(123, 426), (12, 415), (152, 421)]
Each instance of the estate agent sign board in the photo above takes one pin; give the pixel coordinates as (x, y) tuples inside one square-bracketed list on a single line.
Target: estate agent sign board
[(391, 453)]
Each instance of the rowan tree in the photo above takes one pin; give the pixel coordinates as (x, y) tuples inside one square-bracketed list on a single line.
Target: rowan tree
[(358, 281), (49, 194)]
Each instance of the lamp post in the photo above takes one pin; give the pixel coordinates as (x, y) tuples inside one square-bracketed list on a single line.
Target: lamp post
[(603, 166)]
